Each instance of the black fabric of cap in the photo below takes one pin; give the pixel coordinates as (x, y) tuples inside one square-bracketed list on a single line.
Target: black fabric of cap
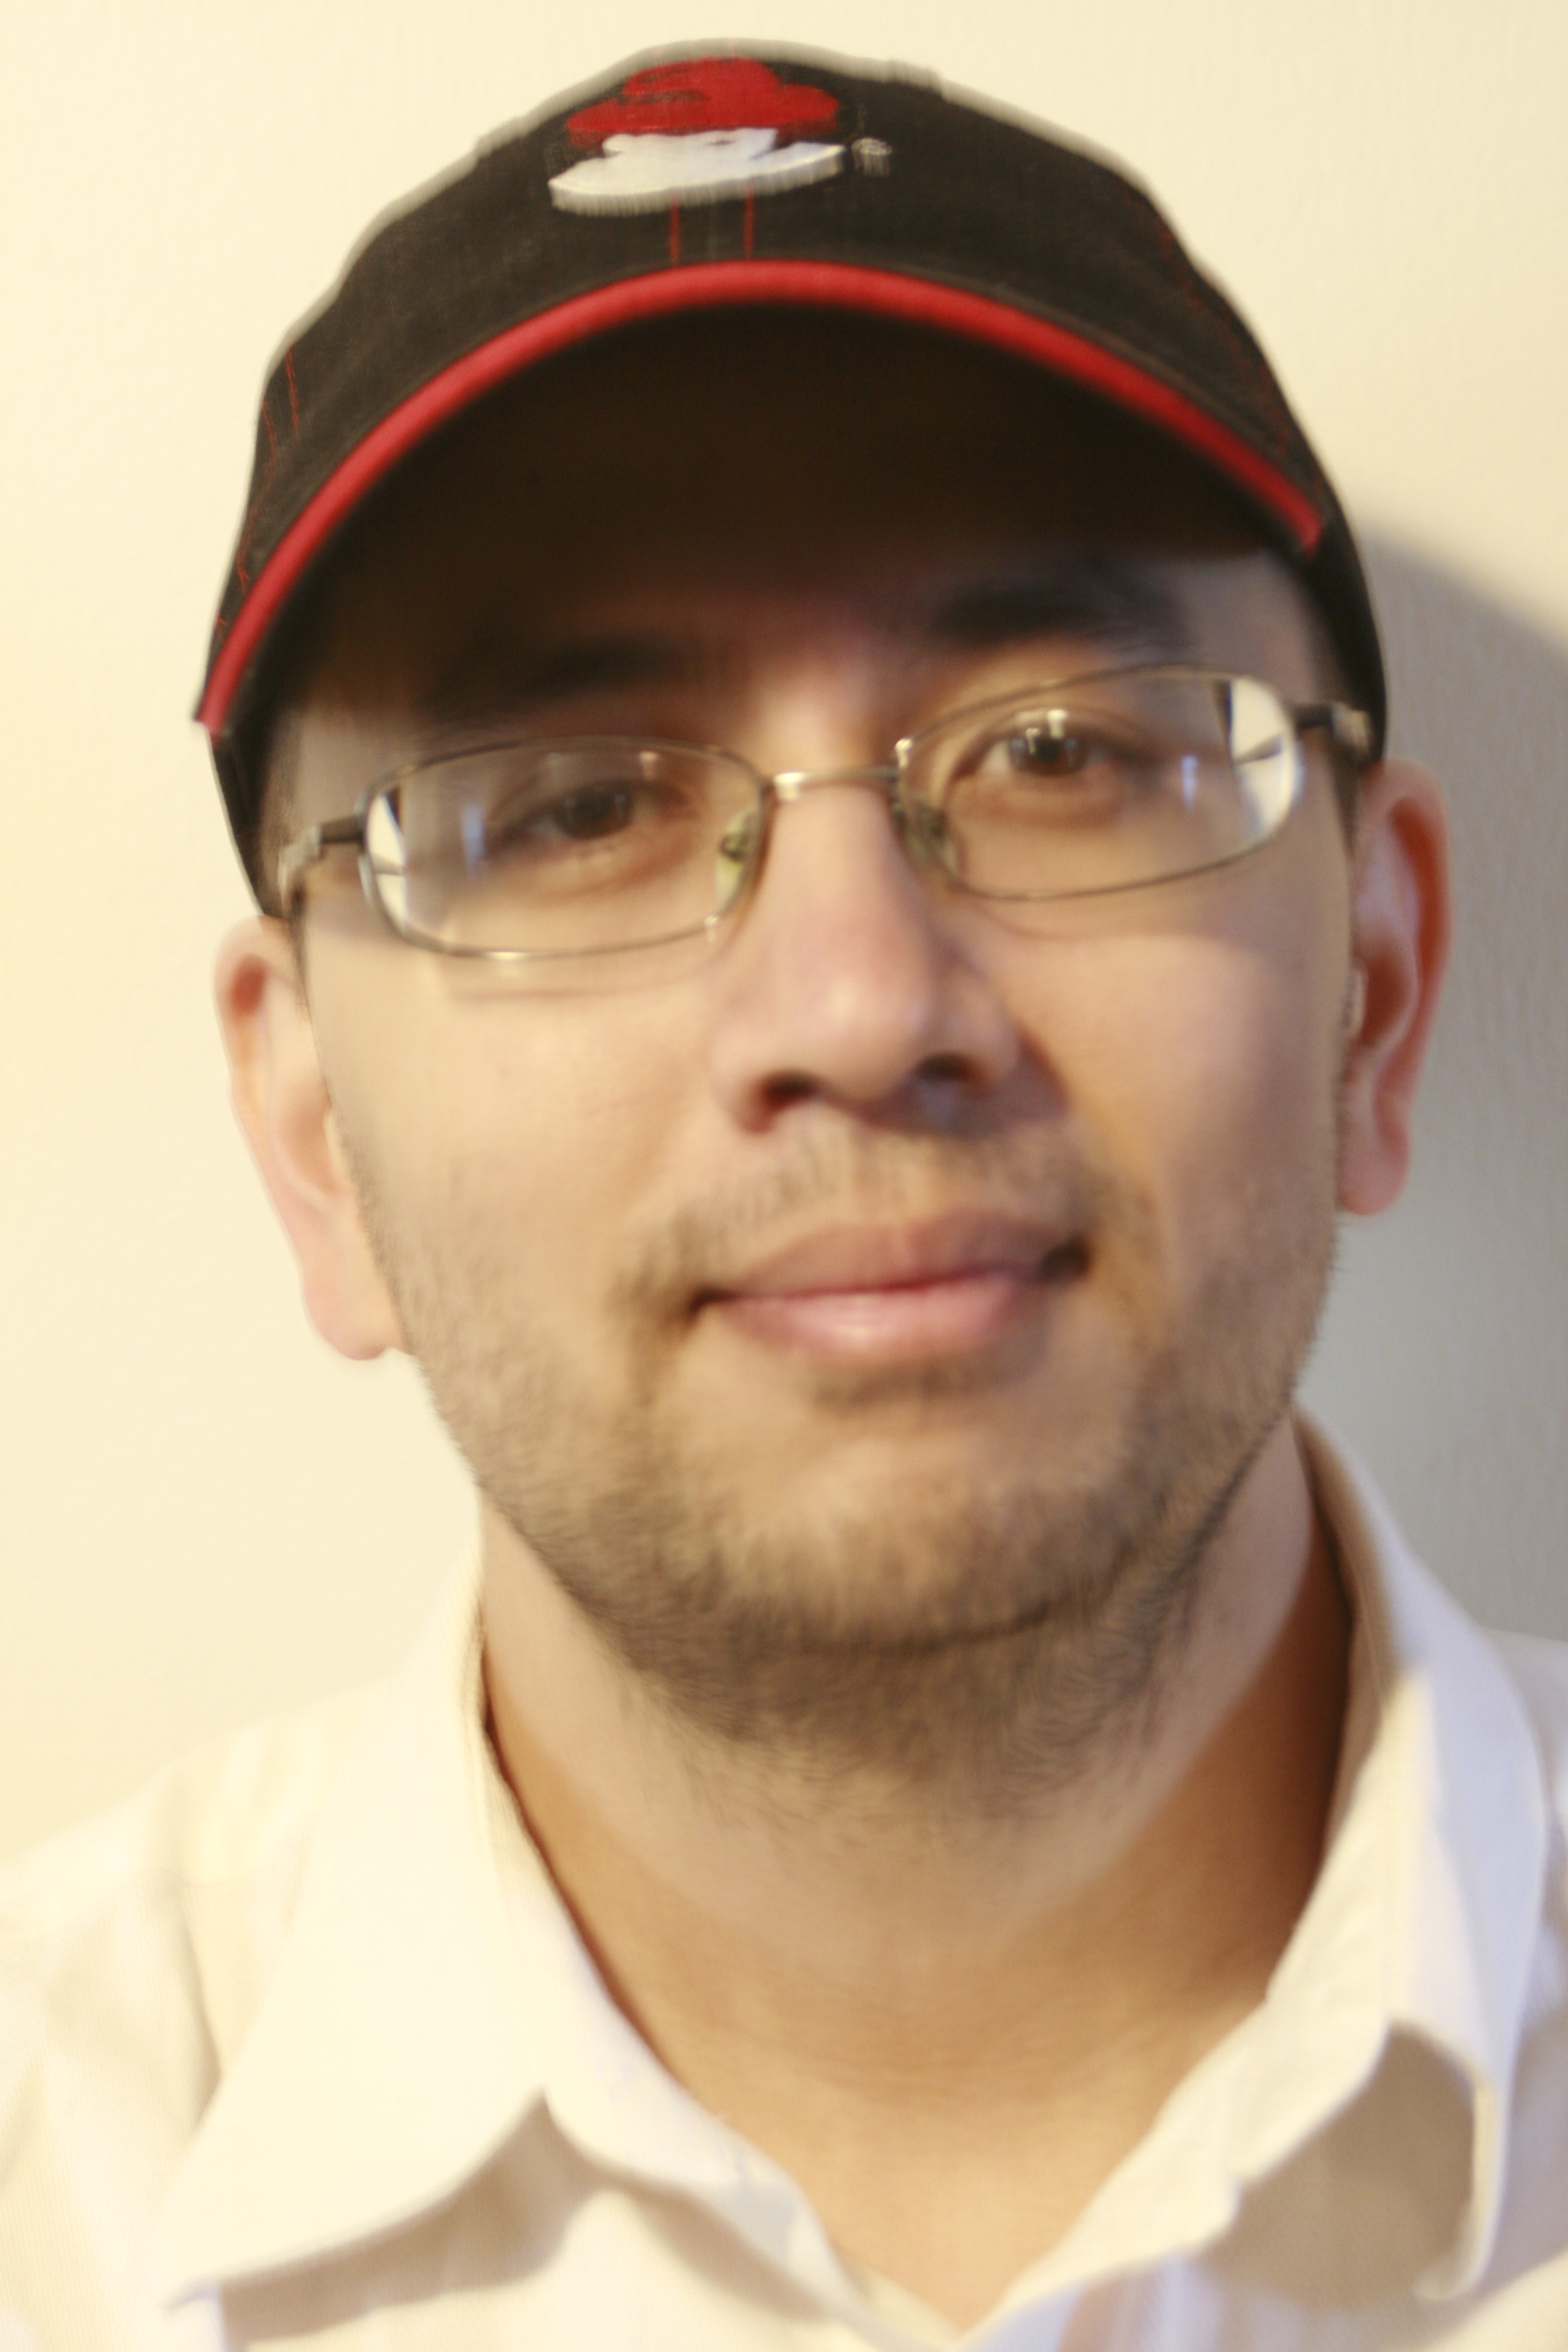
[(905, 200)]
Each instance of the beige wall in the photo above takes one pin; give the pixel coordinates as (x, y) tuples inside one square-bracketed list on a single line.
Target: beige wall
[(204, 1515)]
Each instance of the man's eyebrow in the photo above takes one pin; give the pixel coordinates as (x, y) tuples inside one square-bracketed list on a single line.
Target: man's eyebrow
[(1119, 603)]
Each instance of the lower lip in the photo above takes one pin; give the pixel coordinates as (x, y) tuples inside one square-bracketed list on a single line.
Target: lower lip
[(904, 1321)]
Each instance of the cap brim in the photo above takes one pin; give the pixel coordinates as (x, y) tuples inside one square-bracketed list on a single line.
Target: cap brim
[(817, 285)]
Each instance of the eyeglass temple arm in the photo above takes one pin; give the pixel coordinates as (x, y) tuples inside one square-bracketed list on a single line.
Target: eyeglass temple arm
[(310, 847), (1350, 731)]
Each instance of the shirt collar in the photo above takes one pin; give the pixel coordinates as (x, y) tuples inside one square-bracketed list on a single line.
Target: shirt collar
[(394, 1998), (1441, 1832), (431, 1972)]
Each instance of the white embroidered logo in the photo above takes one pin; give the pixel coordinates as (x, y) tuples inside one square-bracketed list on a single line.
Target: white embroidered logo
[(644, 171)]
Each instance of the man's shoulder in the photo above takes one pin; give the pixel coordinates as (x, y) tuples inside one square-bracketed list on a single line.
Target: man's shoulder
[(163, 1917), (135, 1952)]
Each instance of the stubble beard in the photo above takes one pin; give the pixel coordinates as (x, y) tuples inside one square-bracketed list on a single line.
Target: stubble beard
[(985, 1646)]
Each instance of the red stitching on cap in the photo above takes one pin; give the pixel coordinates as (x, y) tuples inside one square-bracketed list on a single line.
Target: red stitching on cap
[(293, 390), (1245, 353), (242, 551)]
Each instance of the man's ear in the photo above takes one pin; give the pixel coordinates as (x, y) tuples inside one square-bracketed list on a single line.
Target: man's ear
[(281, 1100), (1400, 924)]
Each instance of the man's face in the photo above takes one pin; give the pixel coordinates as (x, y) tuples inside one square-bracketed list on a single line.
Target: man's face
[(867, 1319)]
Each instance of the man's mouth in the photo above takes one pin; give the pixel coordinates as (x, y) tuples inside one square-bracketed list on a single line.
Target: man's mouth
[(862, 1293)]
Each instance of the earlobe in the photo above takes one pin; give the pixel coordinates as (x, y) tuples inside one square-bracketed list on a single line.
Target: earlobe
[(281, 1101), (1400, 927)]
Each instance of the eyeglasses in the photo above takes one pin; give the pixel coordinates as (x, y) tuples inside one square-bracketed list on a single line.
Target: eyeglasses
[(530, 852)]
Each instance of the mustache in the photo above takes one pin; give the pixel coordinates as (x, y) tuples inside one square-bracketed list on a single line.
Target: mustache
[(875, 1177)]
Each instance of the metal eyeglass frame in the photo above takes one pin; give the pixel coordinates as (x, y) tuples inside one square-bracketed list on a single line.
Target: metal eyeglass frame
[(1348, 730)]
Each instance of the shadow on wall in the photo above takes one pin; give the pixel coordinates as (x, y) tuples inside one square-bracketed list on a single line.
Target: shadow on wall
[(1444, 1354)]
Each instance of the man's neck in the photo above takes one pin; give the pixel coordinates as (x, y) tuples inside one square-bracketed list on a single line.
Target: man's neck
[(949, 2028)]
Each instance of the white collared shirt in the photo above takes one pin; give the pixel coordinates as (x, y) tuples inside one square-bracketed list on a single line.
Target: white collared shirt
[(300, 2048)]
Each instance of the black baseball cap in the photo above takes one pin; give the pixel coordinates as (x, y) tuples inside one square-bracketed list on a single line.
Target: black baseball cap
[(691, 184)]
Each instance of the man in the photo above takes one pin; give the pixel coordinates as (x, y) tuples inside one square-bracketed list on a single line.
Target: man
[(835, 935)]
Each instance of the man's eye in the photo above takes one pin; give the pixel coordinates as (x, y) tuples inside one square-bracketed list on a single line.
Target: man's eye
[(1050, 750), (586, 815), (1059, 746), (1066, 748)]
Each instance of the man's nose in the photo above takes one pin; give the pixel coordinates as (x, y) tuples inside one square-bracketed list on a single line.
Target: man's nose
[(847, 979)]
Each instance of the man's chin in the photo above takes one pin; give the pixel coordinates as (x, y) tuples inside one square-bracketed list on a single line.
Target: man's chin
[(974, 1646)]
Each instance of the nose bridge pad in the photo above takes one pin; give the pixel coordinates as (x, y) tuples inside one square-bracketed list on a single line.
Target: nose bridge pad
[(739, 859), (926, 836)]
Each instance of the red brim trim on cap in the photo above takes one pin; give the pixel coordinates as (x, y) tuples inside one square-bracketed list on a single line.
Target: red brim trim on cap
[(701, 286)]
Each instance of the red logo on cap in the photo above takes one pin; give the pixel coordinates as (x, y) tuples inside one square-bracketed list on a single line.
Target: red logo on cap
[(704, 94), (698, 132)]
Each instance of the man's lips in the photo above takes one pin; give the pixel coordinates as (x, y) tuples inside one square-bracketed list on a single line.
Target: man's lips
[(860, 1292)]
